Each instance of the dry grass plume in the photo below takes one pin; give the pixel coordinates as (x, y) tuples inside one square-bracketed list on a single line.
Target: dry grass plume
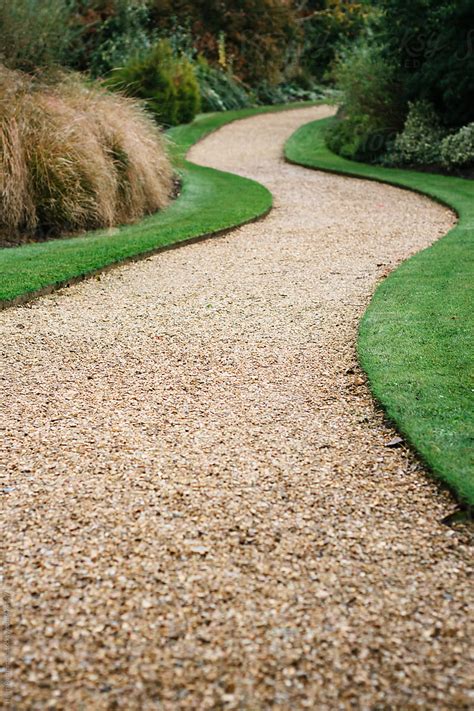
[(74, 157)]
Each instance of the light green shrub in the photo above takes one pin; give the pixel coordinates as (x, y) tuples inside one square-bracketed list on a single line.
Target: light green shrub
[(419, 144), (457, 150), (167, 83), (220, 91)]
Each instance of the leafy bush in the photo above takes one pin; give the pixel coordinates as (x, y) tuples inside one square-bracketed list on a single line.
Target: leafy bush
[(74, 157), (34, 33), (432, 44), (250, 38), (457, 150), (287, 92), (220, 91), (419, 144), (110, 32), (373, 111), (327, 25), (167, 83)]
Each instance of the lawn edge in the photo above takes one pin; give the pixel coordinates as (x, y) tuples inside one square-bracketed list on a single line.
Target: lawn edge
[(28, 296), (440, 477), (234, 115)]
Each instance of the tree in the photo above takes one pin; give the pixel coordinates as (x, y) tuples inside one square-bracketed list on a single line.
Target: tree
[(251, 37), (433, 43)]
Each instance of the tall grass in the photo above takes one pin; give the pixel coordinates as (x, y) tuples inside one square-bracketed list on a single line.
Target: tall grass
[(74, 157)]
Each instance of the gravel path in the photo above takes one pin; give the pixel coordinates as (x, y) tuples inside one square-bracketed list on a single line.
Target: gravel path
[(200, 511)]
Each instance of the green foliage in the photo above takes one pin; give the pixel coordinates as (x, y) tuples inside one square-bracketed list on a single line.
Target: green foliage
[(167, 83), (251, 38), (457, 150), (419, 144), (432, 42), (35, 33), (112, 32), (287, 92), (423, 56), (328, 25), (187, 90), (220, 91), (372, 107)]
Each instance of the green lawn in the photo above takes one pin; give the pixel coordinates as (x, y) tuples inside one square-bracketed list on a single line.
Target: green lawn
[(207, 205), (416, 338)]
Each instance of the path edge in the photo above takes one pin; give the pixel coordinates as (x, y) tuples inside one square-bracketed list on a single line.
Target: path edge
[(440, 478)]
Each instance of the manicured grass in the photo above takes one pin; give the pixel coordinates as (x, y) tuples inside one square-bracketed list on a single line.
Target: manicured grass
[(210, 201), (415, 340)]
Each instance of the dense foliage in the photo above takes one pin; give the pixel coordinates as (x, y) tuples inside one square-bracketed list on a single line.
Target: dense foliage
[(220, 91), (237, 52), (251, 37), (457, 149), (108, 33), (409, 86), (167, 83), (35, 34), (432, 42), (372, 111), (327, 26)]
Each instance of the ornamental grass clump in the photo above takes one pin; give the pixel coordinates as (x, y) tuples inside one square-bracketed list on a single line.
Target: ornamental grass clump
[(74, 157)]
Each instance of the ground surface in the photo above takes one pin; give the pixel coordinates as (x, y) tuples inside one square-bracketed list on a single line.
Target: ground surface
[(416, 338), (200, 511)]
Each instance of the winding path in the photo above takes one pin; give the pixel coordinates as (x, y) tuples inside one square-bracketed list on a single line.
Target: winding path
[(201, 511)]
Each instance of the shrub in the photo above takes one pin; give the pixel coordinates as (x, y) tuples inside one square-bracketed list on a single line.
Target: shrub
[(355, 139), (373, 111), (219, 90), (432, 44), (110, 32), (74, 157), (187, 91), (251, 38), (34, 33), (457, 150), (327, 24), (167, 83), (286, 92), (419, 144)]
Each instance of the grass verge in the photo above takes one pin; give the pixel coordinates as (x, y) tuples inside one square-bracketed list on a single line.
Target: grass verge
[(415, 339), (207, 205)]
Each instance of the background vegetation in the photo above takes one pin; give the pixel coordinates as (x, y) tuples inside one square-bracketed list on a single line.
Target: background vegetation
[(408, 87), (78, 150), (237, 53), (403, 69)]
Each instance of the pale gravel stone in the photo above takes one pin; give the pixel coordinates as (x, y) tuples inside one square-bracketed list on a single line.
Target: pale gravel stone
[(200, 512)]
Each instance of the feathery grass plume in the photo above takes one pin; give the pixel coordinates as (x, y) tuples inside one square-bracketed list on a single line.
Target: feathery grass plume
[(74, 157), (134, 144)]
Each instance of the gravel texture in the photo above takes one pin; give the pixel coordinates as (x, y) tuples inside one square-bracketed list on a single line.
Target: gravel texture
[(199, 509)]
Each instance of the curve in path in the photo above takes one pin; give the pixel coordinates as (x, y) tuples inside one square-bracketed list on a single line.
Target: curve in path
[(201, 512)]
